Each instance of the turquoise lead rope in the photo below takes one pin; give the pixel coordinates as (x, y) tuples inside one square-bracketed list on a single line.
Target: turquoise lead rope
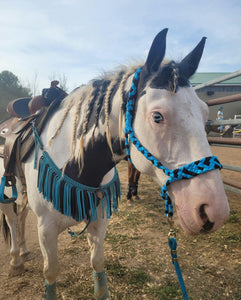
[(188, 171)]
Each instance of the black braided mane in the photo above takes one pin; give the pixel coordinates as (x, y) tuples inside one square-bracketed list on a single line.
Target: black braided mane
[(95, 111)]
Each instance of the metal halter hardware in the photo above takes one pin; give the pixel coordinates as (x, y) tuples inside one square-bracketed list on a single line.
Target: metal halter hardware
[(188, 171)]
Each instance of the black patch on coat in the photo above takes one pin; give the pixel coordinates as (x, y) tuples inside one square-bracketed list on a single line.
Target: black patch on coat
[(97, 161), (74, 206)]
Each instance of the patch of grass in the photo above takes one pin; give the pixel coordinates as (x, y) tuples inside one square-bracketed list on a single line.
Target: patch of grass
[(118, 241), (116, 238), (74, 287), (133, 219), (72, 251), (115, 269), (151, 215), (67, 281), (168, 291), (137, 278), (143, 193), (233, 217), (227, 237), (80, 291), (235, 237)]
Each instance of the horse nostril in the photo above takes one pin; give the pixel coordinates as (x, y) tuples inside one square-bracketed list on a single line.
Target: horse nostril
[(202, 213), (208, 225)]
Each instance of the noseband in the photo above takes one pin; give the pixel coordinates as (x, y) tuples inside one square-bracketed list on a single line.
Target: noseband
[(188, 171)]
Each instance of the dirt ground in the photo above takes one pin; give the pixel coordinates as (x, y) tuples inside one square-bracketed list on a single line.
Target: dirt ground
[(137, 259)]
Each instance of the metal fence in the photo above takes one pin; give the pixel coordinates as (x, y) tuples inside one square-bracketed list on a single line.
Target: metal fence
[(222, 141)]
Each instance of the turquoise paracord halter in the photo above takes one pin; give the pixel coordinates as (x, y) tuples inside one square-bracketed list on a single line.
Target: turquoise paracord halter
[(186, 172)]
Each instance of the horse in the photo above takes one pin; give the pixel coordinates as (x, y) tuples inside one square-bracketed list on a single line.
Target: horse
[(159, 124), (226, 132), (13, 228)]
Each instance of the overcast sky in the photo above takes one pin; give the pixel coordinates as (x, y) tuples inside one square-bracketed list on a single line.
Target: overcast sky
[(81, 38)]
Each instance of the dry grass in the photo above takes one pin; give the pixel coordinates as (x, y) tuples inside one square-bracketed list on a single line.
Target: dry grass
[(137, 258)]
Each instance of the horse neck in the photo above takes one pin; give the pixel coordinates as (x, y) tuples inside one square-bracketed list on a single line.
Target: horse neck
[(93, 117), (116, 122), (95, 120)]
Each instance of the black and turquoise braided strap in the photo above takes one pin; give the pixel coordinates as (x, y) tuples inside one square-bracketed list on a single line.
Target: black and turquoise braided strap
[(188, 171)]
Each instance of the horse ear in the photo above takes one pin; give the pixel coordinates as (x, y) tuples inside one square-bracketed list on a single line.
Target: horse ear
[(156, 52), (190, 63)]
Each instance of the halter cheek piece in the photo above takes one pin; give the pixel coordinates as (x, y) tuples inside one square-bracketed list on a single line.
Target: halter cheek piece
[(188, 171)]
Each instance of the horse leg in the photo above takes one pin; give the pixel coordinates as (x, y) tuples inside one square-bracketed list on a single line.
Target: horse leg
[(96, 234), (48, 235), (133, 177), (24, 252), (16, 261), (135, 185), (130, 183)]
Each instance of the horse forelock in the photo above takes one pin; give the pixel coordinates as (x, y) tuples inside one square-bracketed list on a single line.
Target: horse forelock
[(169, 77)]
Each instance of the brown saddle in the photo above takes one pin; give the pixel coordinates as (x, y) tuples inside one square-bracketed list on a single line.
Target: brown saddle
[(16, 130), (17, 134), (24, 112), (26, 107)]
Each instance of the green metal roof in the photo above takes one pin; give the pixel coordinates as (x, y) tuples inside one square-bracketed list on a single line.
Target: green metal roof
[(199, 78)]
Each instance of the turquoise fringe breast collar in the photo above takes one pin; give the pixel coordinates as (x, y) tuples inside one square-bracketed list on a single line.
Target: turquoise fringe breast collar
[(70, 197), (186, 172)]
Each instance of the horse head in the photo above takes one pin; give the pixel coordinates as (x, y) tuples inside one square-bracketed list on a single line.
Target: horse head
[(169, 121)]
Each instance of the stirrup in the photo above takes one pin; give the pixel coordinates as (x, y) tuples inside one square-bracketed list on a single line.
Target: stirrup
[(2, 188)]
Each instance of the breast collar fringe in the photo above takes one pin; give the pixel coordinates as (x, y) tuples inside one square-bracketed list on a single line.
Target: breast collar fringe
[(74, 199), (188, 171)]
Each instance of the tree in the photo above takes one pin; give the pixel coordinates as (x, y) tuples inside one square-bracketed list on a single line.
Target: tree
[(10, 88), (8, 79)]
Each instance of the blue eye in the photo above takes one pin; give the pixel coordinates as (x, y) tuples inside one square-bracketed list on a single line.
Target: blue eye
[(157, 117)]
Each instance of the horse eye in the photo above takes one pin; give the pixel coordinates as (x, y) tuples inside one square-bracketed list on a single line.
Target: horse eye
[(157, 117)]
